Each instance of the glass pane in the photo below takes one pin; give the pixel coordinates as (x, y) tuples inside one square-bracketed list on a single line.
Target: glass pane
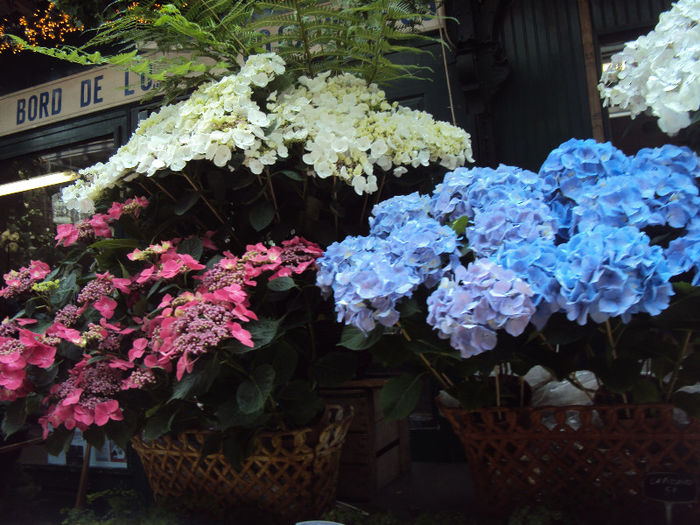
[(28, 219)]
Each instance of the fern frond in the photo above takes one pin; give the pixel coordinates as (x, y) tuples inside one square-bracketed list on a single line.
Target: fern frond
[(197, 38)]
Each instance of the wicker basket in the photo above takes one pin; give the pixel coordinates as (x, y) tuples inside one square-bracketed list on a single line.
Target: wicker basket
[(292, 475), (598, 455)]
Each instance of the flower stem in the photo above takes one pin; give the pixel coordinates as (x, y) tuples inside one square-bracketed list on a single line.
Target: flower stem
[(209, 205), (161, 188), (613, 353), (444, 381), (574, 381), (546, 342), (272, 194), (611, 340), (364, 208), (381, 187), (496, 374), (150, 193), (677, 365)]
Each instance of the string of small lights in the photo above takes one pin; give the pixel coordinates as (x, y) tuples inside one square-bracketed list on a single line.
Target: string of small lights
[(46, 25)]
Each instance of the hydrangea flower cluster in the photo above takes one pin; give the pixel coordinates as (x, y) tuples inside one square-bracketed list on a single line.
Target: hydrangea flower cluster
[(188, 331), (144, 331), (369, 276), (568, 239), (469, 307), (20, 348), (464, 190), (85, 398), (511, 221), (609, 272), (98, 225), (21, 281), (659, 71), (294, 256), (345, 126)]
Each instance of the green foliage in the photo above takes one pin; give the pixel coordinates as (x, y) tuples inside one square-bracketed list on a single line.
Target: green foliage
[(400, 395), (123, 507), (182, 44)]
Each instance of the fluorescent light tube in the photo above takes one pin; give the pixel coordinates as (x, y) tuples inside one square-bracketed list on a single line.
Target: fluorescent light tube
[(37, 182)]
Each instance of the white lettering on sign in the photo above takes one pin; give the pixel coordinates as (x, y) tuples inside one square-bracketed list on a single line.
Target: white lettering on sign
[(87, 92)]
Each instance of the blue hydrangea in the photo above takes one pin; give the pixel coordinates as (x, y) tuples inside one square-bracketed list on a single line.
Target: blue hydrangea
[(465, 190), (367, 281), (615, 201), (577, 163), (667, 177), (480, 299), (510, 221), (568, 238), (683, 253), (422, 244), (369, 276), (608, 272), (534, 263), (396, 211)]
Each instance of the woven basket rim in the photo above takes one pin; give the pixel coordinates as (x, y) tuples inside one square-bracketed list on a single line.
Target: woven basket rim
[(340, 412), (664, 407)]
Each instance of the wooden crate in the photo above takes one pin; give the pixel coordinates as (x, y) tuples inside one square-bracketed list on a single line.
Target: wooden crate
[(376, 450)]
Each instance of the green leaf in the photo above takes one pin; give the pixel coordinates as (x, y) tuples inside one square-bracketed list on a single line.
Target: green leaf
[(399, 395), (645, 391), (299, 402), (334, 368), (114, 244), (192, 246), (292, 175), (59, 440), (354, 339), (251, 395), (212, 444), (263, 331), (213, 261), (185, 203), (281, 284), (620, 376), (160, 423), (66, 287), (390, 355), (261, 216), (15, 417), (229, 415), (409, 308), (95, 437), (237, 448), (197, 382), (690, 402), (460, 225), (284, 362)]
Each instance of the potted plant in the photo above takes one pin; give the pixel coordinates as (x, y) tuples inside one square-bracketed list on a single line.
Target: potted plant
[(186, 302), (589, 264)]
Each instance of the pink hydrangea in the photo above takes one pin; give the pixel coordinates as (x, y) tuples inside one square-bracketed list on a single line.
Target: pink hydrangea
[(131, 207), (22, 280), (85, 398)]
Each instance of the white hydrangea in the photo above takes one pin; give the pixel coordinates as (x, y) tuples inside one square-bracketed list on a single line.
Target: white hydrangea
[(348, 127), (659, 71), (345, 127)]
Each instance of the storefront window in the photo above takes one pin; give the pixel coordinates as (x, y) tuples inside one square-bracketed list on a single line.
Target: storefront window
[(28, 219)]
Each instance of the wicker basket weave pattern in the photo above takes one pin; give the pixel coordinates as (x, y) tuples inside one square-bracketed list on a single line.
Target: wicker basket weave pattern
[(545, 454), (291, 474)]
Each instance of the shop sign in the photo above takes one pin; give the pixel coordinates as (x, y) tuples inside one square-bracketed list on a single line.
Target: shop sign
[(94, 90)]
